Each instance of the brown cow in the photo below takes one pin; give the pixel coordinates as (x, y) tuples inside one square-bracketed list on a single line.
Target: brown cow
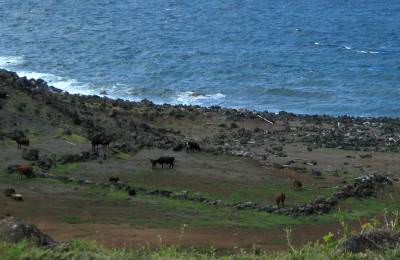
[(280, 199), (25, 170)]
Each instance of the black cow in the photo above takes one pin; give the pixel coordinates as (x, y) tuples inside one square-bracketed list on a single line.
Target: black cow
[(19, 137), (113, 179), (192, 147), (162, 161), (22, 141), (100, 139)]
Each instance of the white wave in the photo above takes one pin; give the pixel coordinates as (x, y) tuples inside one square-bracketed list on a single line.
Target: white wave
[(70, 85), (370, 52), (316, 43), (10, 61), (347, 47), (190, 97)]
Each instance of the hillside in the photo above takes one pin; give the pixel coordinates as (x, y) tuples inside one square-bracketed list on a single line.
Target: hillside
[(222, 196)]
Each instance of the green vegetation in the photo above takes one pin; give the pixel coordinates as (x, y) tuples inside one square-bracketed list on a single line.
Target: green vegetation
[(74, 138), (33, 135), (164, 212), (70, 137), (123, 156), (66, 168)]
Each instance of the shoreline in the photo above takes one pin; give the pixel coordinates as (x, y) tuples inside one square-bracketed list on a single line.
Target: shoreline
[(194, 94), (179, 95)]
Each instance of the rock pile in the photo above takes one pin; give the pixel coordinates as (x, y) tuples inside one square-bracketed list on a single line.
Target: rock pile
[(371, 240), (13, 230), (364, 186)]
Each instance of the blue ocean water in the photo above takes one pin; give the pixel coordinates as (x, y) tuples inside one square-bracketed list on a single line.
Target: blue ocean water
[(311, 56)]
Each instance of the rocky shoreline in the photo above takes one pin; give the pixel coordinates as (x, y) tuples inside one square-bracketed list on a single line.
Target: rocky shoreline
[(344, 132), (133, 126)]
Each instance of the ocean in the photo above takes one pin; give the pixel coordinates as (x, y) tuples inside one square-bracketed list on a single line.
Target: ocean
[(309, 57)]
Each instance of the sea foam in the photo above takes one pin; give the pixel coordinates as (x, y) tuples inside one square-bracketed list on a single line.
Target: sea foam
[(10, 61), (194, 98)]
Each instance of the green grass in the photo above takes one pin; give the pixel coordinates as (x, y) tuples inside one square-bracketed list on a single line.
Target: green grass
[(161, 212), (123, 156), (66, 168), (74, 220), (231, 192), (33, 135), (107, 193), (74, 138)]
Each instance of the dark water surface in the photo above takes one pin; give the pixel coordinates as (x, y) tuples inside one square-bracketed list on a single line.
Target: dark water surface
[(332, 57)]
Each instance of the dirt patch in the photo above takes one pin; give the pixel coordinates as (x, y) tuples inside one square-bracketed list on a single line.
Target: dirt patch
[(125, 236)]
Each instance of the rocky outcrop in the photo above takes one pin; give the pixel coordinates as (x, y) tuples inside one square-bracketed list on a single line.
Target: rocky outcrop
[(13, 230), (30, 154), (371, 240)]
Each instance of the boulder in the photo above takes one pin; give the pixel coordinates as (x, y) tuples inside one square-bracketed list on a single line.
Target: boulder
[(13, 230), (30, 154), (370, 240)]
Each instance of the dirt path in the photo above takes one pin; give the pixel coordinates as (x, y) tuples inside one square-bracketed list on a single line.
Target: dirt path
[(232, 239)]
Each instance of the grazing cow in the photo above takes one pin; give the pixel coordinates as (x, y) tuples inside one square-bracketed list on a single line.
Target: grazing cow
[(100, 139), (297, 184), (8, 192), (280, 199), (19, 137), (192, 147), (162, 161), (113, 179), (22, 141), (25, 170)]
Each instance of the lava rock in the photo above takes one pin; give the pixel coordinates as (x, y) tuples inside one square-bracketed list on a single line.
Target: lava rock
[(30, 154), (13, 230), (371, 240)]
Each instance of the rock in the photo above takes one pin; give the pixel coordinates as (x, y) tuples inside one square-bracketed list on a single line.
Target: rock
[(234, 125), (45, 163), (132, 192), (17, 197), (178, 147), (365, 156), (13, 230), (183, 195), (370, 240), (3, 95), (316, 173), (12, 168), (277, 166), (30, 154), (165, 193)]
